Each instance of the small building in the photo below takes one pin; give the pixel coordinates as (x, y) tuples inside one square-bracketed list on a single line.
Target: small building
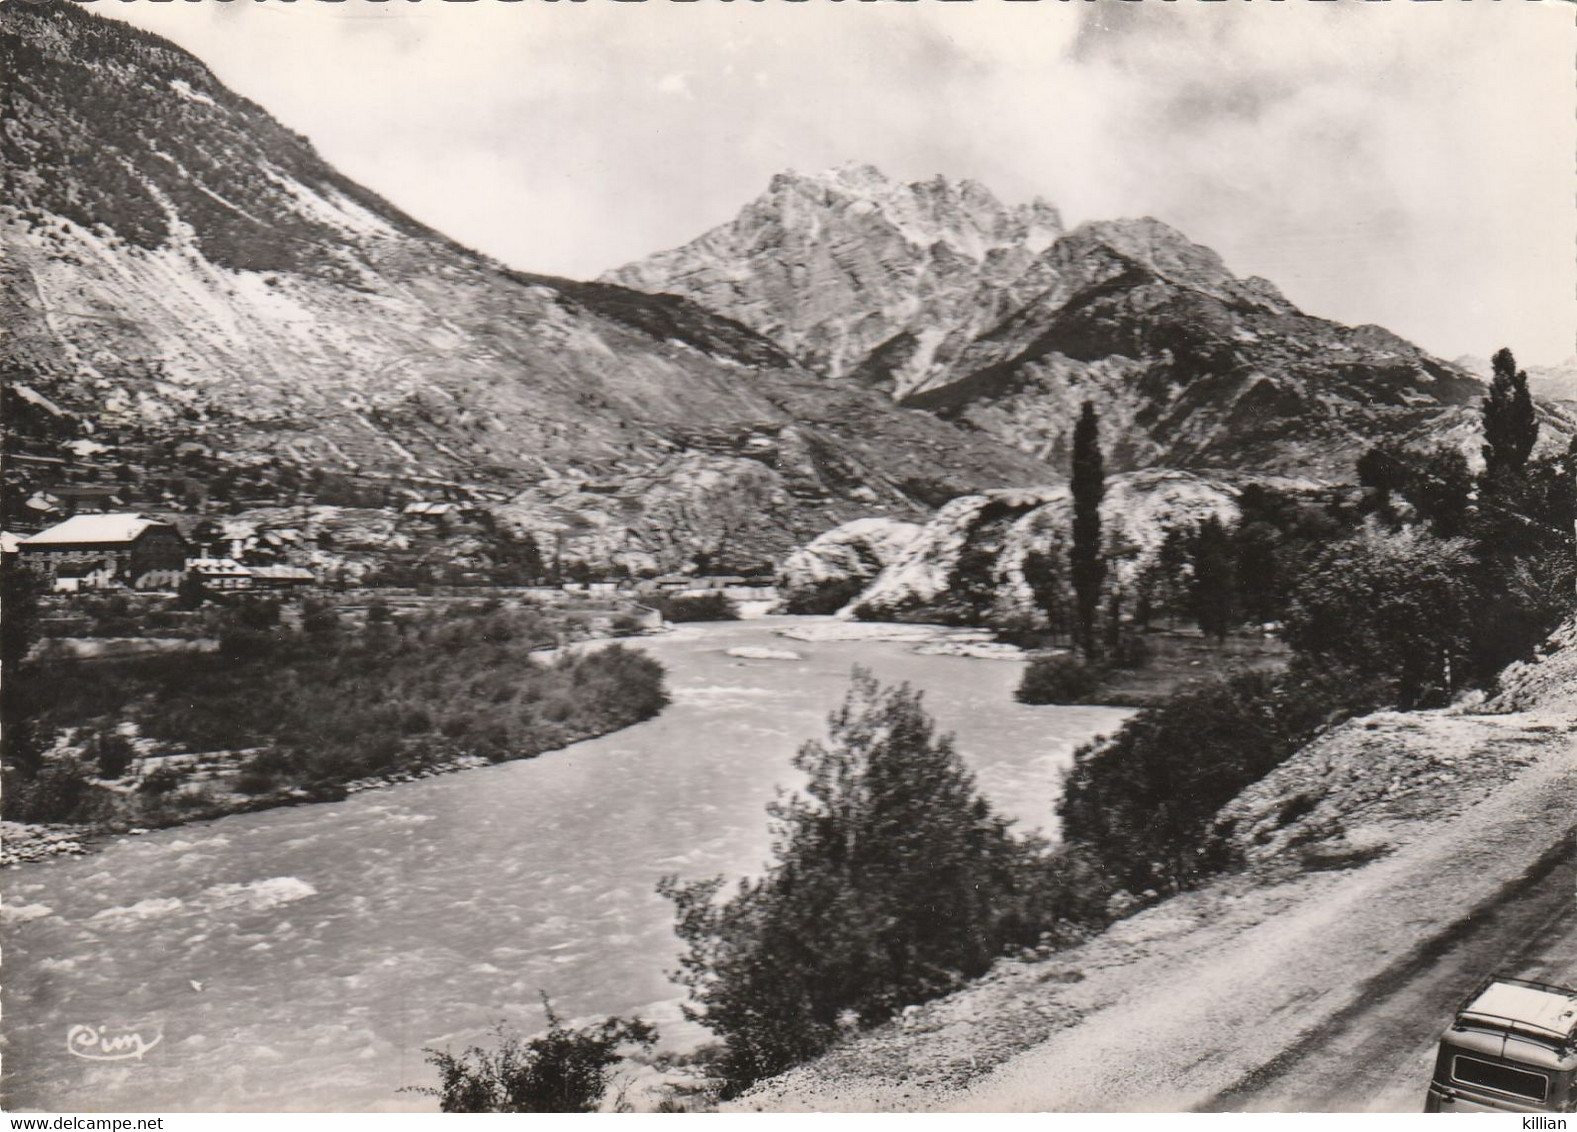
[(218, 574), (281, 577), (141, 551)]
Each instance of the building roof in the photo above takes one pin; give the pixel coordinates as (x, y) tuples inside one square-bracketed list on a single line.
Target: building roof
[(1551, 1010), (9, 542), (94, 529), (218, 568)]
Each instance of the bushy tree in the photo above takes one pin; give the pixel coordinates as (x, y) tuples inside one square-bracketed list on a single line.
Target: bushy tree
[(1395, 607), (696, 607), (892, 882), (1382, 473), (1142, 802), (561, 1070), (1088, 562), (190, 593), (1257, 549), (1441, 491), (1510, 427), (113, 753)]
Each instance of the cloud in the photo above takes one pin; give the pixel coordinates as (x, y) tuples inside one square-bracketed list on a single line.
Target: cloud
[(676, 83)]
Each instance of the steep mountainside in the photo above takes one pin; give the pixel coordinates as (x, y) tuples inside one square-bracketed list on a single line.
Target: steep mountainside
[(994, 317), (186, 281)]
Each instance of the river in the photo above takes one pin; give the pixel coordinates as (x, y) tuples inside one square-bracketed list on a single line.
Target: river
[(299, 959)]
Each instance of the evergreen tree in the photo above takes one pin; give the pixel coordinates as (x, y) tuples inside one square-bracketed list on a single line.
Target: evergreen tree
[(1257, 548), (1171, 571), (1043, 575), (1088, 565), (1510, 428), (1214, 596)]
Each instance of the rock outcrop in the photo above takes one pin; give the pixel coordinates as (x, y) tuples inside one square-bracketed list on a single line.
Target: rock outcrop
[(826, 572), (967, 563)]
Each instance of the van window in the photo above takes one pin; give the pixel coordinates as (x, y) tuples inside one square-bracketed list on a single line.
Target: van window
[(1500, 1078)]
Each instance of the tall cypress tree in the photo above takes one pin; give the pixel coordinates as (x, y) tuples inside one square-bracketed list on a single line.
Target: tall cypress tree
[(1088, 566), (1510, 428)]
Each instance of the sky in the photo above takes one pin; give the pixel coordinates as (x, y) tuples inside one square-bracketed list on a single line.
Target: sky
[(1400, 163)]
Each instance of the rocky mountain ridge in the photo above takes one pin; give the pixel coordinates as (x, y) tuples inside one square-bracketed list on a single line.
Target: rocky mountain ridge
[(182, 272), (1006, 325)]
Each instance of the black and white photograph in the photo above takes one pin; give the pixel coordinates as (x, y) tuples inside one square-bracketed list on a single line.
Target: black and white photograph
[(788, 556)]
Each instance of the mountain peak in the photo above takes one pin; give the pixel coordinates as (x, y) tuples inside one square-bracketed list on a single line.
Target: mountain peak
[(841, 262)]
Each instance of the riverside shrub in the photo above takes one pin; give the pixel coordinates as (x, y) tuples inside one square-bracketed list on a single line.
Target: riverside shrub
[(561, 1070), (894, 882), (1058, 679), (697, 607)]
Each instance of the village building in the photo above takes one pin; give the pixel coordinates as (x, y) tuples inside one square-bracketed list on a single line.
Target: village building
[(281, 577), (140, 552), (220, 574)]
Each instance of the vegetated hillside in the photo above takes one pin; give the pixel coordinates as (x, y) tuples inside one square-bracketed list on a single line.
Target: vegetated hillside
[(183, 272), (995, 317)]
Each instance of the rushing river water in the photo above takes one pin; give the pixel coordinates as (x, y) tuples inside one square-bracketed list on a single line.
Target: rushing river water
[(299, 959)]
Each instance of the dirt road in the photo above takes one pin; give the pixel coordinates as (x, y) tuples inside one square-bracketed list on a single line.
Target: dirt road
[(1378, 1056)]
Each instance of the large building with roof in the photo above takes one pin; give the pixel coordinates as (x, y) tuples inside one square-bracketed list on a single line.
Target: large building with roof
[(138, 551)]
